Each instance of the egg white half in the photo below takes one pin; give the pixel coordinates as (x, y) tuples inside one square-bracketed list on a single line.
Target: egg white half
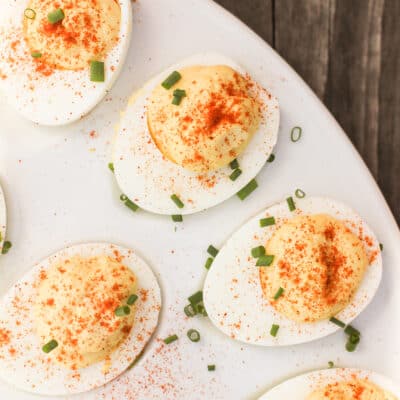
[(3, 218), (302, 386), (31, 369), (65, 96), (232, 291), (148, 179)]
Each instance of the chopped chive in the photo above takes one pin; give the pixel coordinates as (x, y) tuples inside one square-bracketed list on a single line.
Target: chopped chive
[(295, 134), (291, 204), (170, 339), (267, 222), (55, 16), (352, 343), (247, 190), (6, 247), (111, 166), (201, 309), (274, 330), (36, 54), (196, 298), (189, 310), (178, 95), (97, 71), (337, 322), (211, 367), (193, 335), (122, 311), (331, 364), (271, 158), (381, 246), (171, 80), (234, 164), (129, 203), (299, 194), (258, 251), (265, 261), (279, 293), (48, 347), (209, 262), (235, 174), (132, 299), (29, 13), (123, 197), (177, 218), (349, 330), (212, 251), (177, 201)]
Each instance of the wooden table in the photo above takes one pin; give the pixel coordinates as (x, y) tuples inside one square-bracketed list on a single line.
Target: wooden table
[(348, 51)]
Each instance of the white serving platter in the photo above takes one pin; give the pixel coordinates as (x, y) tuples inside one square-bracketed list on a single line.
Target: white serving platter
[(59, 191)]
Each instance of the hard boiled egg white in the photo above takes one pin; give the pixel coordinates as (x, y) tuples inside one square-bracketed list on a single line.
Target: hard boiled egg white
[(232, 291), (65, 95), (149, 179), (3, 218), (302, 386), (25, 365)]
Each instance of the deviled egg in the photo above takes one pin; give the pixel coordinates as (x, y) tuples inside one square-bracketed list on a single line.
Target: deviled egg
[(59, 58), (78, 319), (198, 132), (293, 273)]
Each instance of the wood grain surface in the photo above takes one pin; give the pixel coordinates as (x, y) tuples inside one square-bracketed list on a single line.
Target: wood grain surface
[(348, 51)]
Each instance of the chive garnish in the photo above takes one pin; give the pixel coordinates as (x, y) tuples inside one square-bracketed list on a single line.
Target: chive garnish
[(111, 167), (258, 251), (349, 330), (170, 339), (291, 204), (177, 201), (196, 298), (267, 222), (29, 13), (279, 293), (178, 95), (331, 364), (212, 251), (234, 164), (352, 343), (55, 16), (129, 203), (193, 335), (171, 80), (201, 309), (132, 299), (265, 261), (6, 247), (189, 310), (97, 71), (274, 330), (235, 174), (177, 218), (337, 322), (247, 190), (122, 311), (295, 134), (271, 158), (36, 54), (211, 367), (299, 194), (208, 263), (48, 347), (381, 246)]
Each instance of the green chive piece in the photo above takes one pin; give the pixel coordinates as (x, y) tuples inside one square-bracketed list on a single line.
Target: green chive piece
[(291, 204), (177, 218), (211, 367), (6, 247), (234, 164), (352, 343), (258, 251), (271, 158), (381, 246), (247, 190), (178, 95), (274, 330), (279, 293), (349, 330), (29, 13), (132, 299), (299, 194), (48, 347), (209, 262), (295, 134), (212, 251), (193, 335), (171, 80), (201, 309), (235, 174), (189, 310), (196, 298), (55, 16), (267, 222), (331, 364), (177, 201), (337, 322), (36, 54), (265, 261), (111, 167), (170, 339), (122, 311), (97, 71), (129, 203)]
